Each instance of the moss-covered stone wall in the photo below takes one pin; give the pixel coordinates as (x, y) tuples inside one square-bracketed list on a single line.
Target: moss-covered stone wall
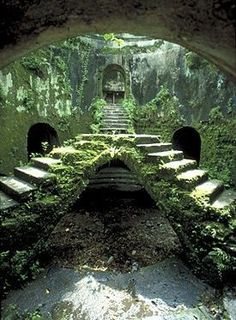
[(48, 86), (57, 85), (164, 115)]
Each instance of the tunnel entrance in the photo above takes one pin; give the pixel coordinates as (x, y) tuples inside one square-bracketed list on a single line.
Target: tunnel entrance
[(41, 139), (115, 228), (113, 85), (188, 140)]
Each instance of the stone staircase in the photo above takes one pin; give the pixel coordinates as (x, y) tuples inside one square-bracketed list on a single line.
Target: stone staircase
[(114, 178), (186, 174), (19, 187), (172, 167), (115, 120)]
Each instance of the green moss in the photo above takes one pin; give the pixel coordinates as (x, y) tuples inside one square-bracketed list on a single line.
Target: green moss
[(194, 61), (218, 146), (132, 49), (28, 228), (96, 109), (161, 116)]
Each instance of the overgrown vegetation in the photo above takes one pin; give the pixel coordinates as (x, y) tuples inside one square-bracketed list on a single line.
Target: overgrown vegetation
[(117, 45), (218, 146), (97, 113), (12, 313), (161, 116), (25, 231), (164, 115)]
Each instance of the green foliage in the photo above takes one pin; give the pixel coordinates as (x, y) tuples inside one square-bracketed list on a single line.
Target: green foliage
[(130, 107), (220, 258), (2, 95), (216, 114), (96, 108), (85, 50), (12, 312), (132, 49), (162, 115), (111, 37), (218, 146), (80, 164), (19, 263), (35, 62), (22, 267), (71, 43), (194, 61)]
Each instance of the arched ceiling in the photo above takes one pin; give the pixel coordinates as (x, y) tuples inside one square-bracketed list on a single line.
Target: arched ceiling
[(204, 26)]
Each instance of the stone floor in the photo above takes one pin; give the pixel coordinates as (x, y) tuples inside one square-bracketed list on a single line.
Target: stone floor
[(167, 290)]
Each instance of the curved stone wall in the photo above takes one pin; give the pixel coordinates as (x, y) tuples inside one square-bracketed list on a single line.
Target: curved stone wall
[(206, 27)]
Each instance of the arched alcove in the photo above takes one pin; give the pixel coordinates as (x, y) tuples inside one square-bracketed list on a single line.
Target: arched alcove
[(188, 140), (113, 84), (41, 139)]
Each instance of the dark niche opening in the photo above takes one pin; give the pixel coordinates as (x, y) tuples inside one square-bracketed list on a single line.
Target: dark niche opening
[(41, 139), (114, 176), (113, 84), (188, 140)]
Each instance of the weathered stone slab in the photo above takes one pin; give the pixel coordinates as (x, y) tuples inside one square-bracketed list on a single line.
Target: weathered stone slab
[(209, 189), (33, 175), (166, 155), (192, 178), (226, 198), (15, 187), (174, 167), (45, 162), (155, 147), (6, 202)]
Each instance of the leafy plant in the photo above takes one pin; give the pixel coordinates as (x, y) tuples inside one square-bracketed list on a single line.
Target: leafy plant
[(96, 108), (194, 61), (111, 37), (220, 259)]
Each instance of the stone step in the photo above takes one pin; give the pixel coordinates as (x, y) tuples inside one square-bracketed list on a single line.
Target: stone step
[(114, 175), (191, 178), (226, 198), (209, 190), (155, 147), (166, 156), (146, 138), (115, 113), (117, 124), (6, 202), (117, 170), (116, 130), (45, 163), (113, 109), (113, 180), (117, 187), (34, 175), (115, 117), (16, 187), (126, 121), (175, 167)]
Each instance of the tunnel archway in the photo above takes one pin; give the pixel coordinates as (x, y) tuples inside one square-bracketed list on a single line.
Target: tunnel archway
[(188, 140), (114, 83), (203, 27), (41, 139)]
